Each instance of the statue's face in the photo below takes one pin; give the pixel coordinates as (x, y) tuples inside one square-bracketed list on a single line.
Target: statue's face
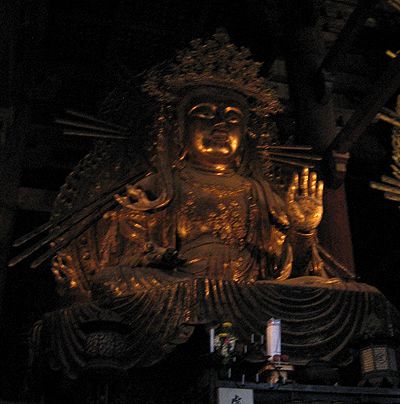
[(215, 128)]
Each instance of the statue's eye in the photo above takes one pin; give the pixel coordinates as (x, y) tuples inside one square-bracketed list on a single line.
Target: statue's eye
[(203, 111), (233, 115)]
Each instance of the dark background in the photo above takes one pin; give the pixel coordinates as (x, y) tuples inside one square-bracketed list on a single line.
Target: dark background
[(71, 54)]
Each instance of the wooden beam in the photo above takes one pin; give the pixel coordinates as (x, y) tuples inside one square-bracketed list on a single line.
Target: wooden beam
[(385, 87), (349, 32)]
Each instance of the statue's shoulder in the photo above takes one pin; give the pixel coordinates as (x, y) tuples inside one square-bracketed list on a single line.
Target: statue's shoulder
[(264, 189)]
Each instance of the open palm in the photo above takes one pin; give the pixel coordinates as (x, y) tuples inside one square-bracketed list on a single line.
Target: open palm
[(304, 201)]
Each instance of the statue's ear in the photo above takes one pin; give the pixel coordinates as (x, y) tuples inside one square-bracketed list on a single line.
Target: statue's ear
[(180, 117), (180, 161), (182, 130), (238, 161), (242, 159)]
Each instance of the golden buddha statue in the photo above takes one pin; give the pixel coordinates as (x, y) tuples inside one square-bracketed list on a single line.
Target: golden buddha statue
[(204, 235), (205, 209)]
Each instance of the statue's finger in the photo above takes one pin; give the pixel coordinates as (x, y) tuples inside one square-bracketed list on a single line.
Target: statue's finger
[(320, 190), (291, 193), (304, 182), (313, 184), (295, 181), (293, 188)]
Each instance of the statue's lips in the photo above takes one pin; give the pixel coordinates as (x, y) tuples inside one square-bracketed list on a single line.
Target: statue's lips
[(218, 137)]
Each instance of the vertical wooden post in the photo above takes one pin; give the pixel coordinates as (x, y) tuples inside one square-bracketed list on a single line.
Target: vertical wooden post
[(11, 134), (10, 172), (21, 29), (315, 120)]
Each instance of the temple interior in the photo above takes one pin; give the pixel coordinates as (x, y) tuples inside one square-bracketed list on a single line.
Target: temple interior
[(335, 68)]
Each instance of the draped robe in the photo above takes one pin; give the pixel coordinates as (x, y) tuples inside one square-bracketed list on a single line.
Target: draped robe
[(232, 234)]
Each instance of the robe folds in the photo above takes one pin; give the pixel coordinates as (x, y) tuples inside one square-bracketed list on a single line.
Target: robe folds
[(320, 321)]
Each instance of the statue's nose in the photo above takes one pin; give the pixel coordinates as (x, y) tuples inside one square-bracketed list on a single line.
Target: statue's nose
[(219, 119), (220, 124)]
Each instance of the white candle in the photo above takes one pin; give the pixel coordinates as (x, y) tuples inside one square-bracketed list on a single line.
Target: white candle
[(212, 338), (243, 378), (273, 337)]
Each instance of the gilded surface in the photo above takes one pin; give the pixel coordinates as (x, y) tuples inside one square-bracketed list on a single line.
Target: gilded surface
[(205, 210)]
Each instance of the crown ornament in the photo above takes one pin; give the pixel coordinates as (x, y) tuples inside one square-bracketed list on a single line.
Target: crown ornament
[(215, 62)]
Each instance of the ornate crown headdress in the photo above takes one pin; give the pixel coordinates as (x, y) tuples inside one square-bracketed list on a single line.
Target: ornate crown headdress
[(214, 62)]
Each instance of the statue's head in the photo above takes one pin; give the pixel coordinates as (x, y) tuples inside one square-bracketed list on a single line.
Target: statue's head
[(214, 124), (214, 92)]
